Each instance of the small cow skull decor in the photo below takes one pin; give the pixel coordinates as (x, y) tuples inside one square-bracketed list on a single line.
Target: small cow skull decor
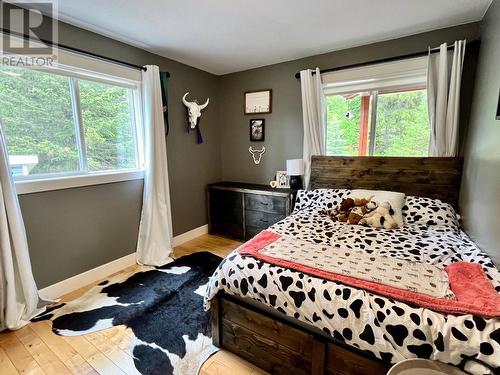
[(193, 115), (256, 154)]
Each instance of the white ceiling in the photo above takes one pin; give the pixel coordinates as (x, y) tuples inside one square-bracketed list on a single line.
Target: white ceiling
[(223, 36)]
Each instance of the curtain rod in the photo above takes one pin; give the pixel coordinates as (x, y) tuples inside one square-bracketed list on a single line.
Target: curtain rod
[(78, 50), (388, 59)]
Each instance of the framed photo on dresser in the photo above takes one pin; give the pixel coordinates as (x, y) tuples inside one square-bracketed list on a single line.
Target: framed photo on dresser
[(282, 180)]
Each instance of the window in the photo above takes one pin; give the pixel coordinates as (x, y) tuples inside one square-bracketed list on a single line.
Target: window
[(401, 124), (387, 123), (107, 118), (378, 110), (62, 123)]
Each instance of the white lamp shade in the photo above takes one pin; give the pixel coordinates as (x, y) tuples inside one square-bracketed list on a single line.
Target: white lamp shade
[(295, 167)]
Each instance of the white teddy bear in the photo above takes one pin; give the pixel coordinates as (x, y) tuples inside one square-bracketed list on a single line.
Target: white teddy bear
[(380, 217)]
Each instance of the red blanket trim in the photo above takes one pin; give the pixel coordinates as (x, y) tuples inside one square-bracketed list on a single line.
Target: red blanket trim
[(473, 291)]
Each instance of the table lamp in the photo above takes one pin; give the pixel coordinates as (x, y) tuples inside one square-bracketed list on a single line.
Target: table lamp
[(295, 169)]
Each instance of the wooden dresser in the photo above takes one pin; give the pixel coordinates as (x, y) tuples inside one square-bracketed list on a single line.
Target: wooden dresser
[(241, 210)]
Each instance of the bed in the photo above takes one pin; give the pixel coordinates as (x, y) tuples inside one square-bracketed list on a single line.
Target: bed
[(286, 321)]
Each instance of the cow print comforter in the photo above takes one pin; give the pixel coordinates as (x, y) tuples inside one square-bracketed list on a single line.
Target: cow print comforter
[(388, 329)]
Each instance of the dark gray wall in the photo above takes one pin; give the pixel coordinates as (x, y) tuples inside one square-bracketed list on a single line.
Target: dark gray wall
[(284, 126), (74, 230), (480, 195)]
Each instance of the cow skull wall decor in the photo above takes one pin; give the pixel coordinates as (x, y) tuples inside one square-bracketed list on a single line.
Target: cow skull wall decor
[(193, 114), (256, 154), (194, 110)]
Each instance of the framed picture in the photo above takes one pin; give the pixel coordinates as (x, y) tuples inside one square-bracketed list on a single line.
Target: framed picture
[(258, 102), (257, 130), (282, 180)]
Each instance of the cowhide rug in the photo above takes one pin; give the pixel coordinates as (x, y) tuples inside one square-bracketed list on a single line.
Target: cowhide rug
[(162, 306)]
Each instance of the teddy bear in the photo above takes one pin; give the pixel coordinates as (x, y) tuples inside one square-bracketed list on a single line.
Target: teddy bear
[(352, 210), (344, 209), (380, 217), (356, 214), (370, 206), (346, 205), (362, 202)]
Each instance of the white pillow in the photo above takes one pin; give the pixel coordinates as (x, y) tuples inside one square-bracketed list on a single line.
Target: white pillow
[(396, 200)]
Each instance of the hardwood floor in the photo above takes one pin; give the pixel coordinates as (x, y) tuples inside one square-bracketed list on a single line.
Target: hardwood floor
[(35, 349)]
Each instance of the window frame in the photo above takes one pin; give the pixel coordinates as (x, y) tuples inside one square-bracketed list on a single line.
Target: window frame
[(392, 74), (127, 78)]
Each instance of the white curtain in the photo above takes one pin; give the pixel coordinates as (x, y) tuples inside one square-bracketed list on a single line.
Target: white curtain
[(314, 118), (154, 245), (443, 93), (19, 298)]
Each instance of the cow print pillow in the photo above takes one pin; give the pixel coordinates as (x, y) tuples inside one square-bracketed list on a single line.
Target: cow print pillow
[(319, 198), (428, 211)]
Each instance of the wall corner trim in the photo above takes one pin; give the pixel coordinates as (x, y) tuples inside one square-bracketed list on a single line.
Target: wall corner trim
[(73, 283)]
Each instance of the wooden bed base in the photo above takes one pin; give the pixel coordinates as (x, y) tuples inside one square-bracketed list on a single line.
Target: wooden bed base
[(286, 346), (281, 346)]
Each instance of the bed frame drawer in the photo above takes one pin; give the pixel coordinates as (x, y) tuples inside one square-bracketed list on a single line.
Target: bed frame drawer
[(265, 203), (271, 345), (340, 361), (280, 346)]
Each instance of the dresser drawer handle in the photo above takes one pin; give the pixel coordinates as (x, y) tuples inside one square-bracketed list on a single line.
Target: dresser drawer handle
[(264, 204), (264, 221)]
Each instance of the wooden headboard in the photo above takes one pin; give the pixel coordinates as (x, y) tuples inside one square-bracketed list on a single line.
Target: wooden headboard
[(422, 176)]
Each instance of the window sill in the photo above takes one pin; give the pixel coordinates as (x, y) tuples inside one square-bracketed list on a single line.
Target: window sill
[(68, 182)]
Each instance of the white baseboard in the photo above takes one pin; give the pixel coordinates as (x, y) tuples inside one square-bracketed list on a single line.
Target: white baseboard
[(63, 287), (187, 236)]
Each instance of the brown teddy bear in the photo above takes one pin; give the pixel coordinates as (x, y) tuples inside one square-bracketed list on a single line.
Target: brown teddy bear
[(360, 202), (355, 215), (346, 205), (351, 210)]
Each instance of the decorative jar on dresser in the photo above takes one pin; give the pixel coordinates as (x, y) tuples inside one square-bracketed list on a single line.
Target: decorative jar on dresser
[(241, 210)]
